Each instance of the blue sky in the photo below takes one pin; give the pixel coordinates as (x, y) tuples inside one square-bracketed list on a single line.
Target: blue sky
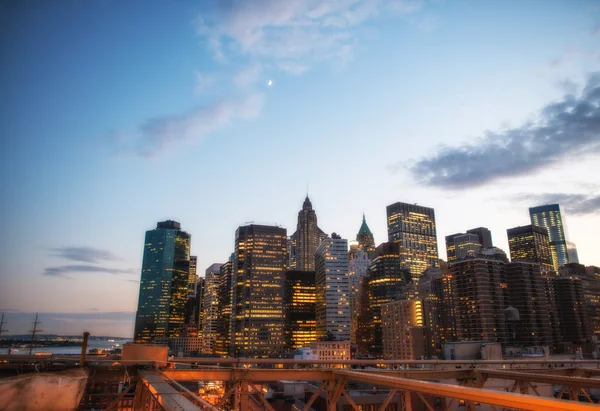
[(116, 116)]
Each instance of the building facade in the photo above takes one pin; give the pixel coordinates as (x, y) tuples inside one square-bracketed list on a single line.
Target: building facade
[(257, 316), (333, 289), (413, 228), (164, 283), (365, 238), (574, 322), (550, 217), (224, 309), (300, 312), (403, 331), (306, 239), (531, 243), (527, 294), (358, 266), (210, 317)]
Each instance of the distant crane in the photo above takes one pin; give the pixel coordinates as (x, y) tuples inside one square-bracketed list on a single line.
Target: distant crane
[(34, 332)]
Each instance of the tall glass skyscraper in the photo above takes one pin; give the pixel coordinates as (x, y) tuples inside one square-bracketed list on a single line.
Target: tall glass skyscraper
[(550, 217), (164, 283), (413, 227), (257, 311), (306, 239), (530, 243)]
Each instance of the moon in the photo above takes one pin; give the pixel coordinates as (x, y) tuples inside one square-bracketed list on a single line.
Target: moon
[(270, 83)]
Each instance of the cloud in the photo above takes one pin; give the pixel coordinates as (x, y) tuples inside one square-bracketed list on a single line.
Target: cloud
[(248, 76), (575, 204), (203, 82), (84, 254), (158, 133), (277, 31), (67, 269), (293, 67), (566, 128)]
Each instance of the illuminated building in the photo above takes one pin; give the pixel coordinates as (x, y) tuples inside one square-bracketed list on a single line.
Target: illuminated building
[(224, 309), (257, 324), (164, 283), (200, 304), (413, 228), (403, 331), (443, 288), (300, 317), (550, 218), (462, 245), (431, 306), (386, 281), (574, 321), (358, 267), (365, 238), (527, 294), (210, 317), (572, 254), (191, 305), (331, 350), (479, 286), (193, 277), (306, 239), (333, 289), (590, 280), (530, 243)]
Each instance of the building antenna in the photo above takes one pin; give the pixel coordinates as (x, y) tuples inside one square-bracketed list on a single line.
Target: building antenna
[(2, 324), (34, 332)]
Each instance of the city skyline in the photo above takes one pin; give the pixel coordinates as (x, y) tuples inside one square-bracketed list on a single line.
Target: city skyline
[(367, 103)]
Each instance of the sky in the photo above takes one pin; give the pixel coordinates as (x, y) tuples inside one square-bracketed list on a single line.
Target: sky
[(115, 115)]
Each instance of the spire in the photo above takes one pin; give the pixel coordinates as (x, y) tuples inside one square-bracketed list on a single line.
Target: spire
[(307, 204), (364, 228)]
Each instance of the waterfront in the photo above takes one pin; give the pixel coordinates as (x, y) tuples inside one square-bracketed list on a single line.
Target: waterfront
[(70, 350)]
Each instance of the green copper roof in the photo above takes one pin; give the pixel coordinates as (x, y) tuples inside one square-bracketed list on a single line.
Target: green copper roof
[(364, 228)]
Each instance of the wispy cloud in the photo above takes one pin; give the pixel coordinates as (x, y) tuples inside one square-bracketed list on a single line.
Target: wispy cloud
[(248, 76), (566, 128), (63, 270), (203, 82), (576, 204), (84, 254), (159, 133)]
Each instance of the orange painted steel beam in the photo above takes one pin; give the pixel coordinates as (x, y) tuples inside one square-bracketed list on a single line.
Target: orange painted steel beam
[(252, 374), (543, 378), (518, 401)]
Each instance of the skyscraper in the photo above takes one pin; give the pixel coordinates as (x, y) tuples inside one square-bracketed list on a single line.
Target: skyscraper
[(365, 238), (386, 281), (358, 267), (224, 308), (260, 262), (479, 285), (530, 243), (550, 217), (193, 278), (403, 331), (413, 227), (211, 306), (333, 289), (461, 245), (300, 320), (306, 239), (164, 283), (574, 322)]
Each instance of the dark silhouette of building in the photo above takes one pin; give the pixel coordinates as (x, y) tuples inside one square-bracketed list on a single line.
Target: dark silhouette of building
[(462, 245), (257, 306), (224, 309), (443, 288), (164, 283), (413, 228), (590, 281), (479, 286), (306, 239), (530, 243), (300, 314), (527, 294), (386, 281), (574, 323)]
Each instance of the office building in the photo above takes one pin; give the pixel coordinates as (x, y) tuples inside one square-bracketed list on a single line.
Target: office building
[(462, 245), (527, 295), (260, 262), (210, 317), (531, 244), (333, 289), (224, 309), (572, 254), (332, 350), (479, 285), (443, 288), (431, 306), (358, 266), (550, 218), (193, 277), (306, 239), (403, 331), (191, 305), (590, 281), (300, 315), (164, 283), (365, 238), (413, 228), (386, 281)]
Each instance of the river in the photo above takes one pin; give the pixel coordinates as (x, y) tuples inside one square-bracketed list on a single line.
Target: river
[(66, 350)]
